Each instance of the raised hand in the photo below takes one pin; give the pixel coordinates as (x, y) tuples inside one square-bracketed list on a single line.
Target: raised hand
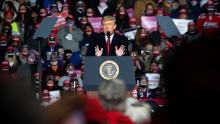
[(98, 52), (120, 51)]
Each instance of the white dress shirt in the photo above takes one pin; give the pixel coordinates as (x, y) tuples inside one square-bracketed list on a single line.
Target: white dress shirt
[(106, 38)]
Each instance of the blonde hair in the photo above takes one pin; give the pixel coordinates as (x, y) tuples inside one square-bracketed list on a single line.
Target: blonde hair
[(109, 18)]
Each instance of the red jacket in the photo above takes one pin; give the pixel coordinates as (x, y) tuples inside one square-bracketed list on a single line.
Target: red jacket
[(209, 26)]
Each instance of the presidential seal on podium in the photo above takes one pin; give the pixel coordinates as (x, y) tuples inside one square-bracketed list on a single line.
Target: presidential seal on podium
[(109, 70)]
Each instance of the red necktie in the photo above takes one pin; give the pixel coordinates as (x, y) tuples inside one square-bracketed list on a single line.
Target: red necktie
[(108, 46)]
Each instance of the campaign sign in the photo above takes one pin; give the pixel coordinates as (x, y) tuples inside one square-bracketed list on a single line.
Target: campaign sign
[(153, 80), (61, 20), (96, 23), (131, 34), (54, 96), (149, 23), (182, 25)]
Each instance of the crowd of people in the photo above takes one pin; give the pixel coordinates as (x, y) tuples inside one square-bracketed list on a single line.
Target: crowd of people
[(58, 63)]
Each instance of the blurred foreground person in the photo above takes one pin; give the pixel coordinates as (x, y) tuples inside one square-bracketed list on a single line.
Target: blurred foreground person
[(113, 97), (18, 104), (193, 86)]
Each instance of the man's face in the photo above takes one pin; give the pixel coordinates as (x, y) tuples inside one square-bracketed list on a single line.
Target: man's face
[(108, 25)]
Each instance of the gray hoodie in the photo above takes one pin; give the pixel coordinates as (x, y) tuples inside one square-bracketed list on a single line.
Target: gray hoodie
[(70, 40)]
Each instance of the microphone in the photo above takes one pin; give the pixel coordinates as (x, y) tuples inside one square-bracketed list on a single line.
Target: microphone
[(108, 34)]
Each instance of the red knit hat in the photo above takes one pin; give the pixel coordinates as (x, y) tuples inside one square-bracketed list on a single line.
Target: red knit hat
[(5, 65)]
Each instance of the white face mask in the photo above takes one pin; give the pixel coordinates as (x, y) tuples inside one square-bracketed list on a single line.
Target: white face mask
[(11, 63), (59, 7), (102, 4), (54, 63), (70, 72), (194, 2)]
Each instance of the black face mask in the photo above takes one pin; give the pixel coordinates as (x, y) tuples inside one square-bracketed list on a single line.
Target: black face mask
[(192, 31), (6, 31), (143, 86), (34, 19), (210, 10), (10, 56)]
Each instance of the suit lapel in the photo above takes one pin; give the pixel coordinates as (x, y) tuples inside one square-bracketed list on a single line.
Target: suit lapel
[(103, 43)]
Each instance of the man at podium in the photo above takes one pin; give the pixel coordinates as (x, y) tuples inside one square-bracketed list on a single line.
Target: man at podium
[(108, 43)]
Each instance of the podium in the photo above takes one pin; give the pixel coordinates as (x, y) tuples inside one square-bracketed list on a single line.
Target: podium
[(96, 69)]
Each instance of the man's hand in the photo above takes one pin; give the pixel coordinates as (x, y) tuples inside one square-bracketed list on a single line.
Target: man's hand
[(98, 52), (120, 51)]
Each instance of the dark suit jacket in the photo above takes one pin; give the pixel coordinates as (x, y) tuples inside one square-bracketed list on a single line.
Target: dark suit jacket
[(117, 40)]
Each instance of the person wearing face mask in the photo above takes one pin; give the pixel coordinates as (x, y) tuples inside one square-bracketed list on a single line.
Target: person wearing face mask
[(88, 35), (147, 56), (122, 19), (209, 23), (51, 47), (183, 13), (5, 38), (90, 12), (54, 69), (142, 39), (142, 90), (149, 10), (9, 6), (6, 30), (70, 74), (140, 7), (50, 83), (11, 57), (54, 9), (192, 35), (3, 45), (174, 9), (32, 61), (138, 64), (23, 22), (82, 22), (43, 13), (194, 6), (79, 10), (70, 36), (103, 9), (23, 55)]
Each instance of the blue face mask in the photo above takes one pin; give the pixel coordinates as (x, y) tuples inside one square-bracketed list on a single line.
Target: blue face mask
[(32, 1)]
